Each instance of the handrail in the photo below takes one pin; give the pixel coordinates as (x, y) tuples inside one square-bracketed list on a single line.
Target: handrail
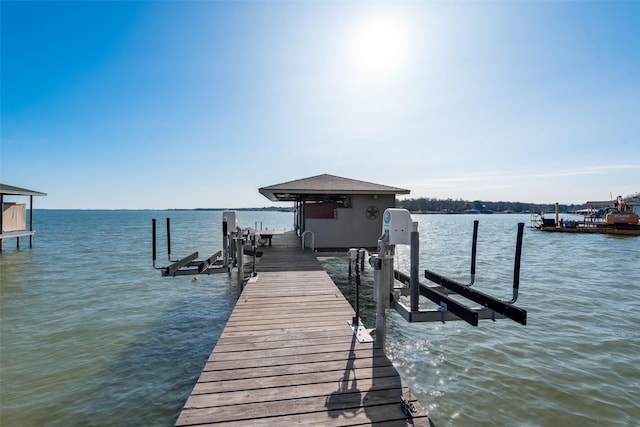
[(312, 239)]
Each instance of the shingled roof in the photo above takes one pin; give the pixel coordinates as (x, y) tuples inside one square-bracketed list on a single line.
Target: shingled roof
[(325, 184)]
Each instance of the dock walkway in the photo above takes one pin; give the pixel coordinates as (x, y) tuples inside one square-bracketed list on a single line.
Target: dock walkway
[(287, 356)]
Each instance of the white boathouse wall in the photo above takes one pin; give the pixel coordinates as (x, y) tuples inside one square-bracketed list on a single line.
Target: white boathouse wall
[(351, 226)]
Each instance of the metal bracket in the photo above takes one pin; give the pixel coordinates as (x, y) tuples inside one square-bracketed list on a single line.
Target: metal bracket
[(409, 408), (443, 309), (360, 332)]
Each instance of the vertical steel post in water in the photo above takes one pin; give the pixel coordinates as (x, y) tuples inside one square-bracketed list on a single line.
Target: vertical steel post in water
[(31, 221), (516, 264), (474, 246), (153, 240), (414, 284)]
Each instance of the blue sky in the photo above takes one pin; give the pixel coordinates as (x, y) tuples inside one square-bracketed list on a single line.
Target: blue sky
[(198, 104)]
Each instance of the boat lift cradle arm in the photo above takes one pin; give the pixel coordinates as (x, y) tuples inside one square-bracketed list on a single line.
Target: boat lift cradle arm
[(177, 267), (404, 231)]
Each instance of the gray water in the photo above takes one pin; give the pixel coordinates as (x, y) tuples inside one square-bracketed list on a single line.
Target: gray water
[(92, 335)]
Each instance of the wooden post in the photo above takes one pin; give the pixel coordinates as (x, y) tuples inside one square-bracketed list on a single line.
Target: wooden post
[(255, 250), (225, 242), (240, 255)]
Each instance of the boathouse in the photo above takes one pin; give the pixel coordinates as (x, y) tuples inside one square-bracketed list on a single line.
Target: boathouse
[(336, 213), (13, 221)]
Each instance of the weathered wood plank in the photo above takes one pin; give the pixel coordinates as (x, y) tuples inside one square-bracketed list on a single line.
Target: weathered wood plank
[(214, 373), (287, 356), (387, 386), (345, 407), (320, 350)]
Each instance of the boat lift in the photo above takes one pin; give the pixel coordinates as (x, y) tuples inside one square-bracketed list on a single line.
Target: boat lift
[(233, 250), (399, 229)]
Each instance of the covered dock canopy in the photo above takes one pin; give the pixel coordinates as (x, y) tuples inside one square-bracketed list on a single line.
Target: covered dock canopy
[(340, 213), (13, 219)]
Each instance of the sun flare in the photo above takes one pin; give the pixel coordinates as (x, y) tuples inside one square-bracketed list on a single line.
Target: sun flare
[(379, 48)]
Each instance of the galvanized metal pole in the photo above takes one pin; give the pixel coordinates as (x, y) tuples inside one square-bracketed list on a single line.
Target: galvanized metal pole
[(356, 318), (381, 281)]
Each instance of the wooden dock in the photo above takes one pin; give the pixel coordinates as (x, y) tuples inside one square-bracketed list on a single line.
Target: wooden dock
[(287, 356)]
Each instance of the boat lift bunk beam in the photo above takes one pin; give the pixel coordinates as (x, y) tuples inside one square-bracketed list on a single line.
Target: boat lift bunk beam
[(398, 228), (447, 304), (504, 308), (188, 265), (490, 305)]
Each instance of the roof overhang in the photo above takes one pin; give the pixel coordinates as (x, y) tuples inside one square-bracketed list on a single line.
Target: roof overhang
[(17, 191), (325, 187)]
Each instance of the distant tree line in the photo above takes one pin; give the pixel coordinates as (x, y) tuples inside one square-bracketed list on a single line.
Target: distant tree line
[(431, 205)]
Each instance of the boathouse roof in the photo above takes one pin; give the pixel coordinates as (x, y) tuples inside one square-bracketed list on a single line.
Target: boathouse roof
[(324, 185), (17, 191), (600, 203)]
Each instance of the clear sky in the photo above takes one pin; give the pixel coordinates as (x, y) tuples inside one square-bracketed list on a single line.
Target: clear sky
[(171, 104)]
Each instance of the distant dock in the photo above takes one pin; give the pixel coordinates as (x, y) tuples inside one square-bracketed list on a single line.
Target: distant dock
[(13, 222), (287, 356)]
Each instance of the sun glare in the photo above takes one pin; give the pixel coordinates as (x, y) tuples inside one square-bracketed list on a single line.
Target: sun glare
[(379, 49)]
